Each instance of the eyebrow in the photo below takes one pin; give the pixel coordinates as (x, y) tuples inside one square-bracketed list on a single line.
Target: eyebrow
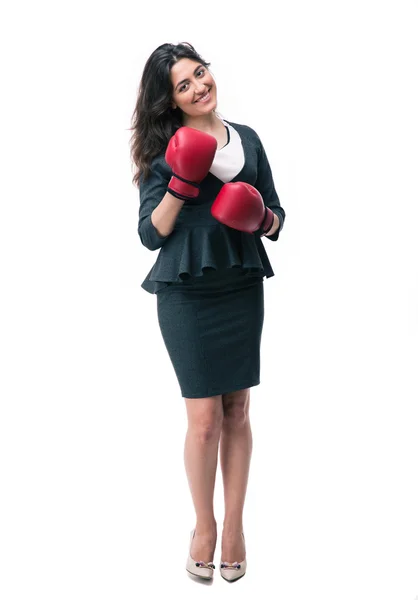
[(184, 80)]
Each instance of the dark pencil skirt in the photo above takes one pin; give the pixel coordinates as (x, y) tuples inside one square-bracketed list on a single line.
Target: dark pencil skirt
[(211, 326)]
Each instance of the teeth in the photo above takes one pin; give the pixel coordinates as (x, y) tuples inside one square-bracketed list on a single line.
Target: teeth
[(204, 97)]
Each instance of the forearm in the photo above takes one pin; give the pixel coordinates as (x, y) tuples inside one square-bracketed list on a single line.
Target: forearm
[(164, 216)]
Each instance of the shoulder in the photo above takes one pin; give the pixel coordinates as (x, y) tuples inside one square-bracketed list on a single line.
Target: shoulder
[(159, 174), (249, 137), (159, 163), (245, 130), (159, 168)]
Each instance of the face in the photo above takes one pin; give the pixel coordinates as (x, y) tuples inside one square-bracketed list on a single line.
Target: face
[(192, 80)]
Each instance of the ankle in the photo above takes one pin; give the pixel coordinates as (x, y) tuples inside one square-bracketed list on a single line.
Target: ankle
[(231, 529), (206, 529)]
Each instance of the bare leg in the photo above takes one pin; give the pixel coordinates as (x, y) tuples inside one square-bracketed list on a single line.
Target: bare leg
[(235, 455), (205, 417)]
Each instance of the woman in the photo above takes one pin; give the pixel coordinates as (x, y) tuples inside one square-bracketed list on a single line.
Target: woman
[(193, 169)]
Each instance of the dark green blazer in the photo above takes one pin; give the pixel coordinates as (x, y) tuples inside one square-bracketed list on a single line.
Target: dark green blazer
[(198, 240)]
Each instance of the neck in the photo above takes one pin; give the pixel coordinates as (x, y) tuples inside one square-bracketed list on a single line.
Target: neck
[(206, 123)]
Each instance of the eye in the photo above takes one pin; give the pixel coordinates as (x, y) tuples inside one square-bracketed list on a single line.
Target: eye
[(184, 84)]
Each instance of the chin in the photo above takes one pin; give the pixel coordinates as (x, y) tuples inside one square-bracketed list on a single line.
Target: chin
[(209, 108)]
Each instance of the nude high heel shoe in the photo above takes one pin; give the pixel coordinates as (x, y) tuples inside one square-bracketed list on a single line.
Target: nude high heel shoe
[(199, 567), (235, 570)]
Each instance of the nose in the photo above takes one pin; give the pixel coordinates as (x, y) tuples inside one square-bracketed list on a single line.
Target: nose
[(200, 89)]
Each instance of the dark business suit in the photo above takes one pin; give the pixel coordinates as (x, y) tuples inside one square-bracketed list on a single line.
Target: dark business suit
[(208, 277)]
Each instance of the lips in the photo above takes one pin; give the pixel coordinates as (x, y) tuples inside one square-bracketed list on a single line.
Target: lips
[(203, 95)]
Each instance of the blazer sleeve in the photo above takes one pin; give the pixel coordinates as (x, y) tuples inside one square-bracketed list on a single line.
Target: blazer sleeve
[(265, 185), (151, 192)]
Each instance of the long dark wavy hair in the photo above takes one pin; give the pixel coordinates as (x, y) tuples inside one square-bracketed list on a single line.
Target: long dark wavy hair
[(154, 120)]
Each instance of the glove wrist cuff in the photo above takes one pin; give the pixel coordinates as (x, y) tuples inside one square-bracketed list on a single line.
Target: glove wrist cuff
[(268, 220), (188, 189)]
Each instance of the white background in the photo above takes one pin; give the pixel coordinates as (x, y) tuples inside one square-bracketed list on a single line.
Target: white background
[(95, 501)]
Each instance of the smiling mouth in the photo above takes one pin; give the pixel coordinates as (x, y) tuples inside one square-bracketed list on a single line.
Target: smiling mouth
[(204, 95)]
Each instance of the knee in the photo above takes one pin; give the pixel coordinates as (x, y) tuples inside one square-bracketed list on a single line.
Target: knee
[(205, 419), (208, 430), (236, 407)]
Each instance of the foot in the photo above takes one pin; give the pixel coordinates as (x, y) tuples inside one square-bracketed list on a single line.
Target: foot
[(203, 545), (233, 546)]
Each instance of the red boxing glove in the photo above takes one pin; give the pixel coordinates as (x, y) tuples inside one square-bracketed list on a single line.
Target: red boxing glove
[(190, 154), (240, 206)]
